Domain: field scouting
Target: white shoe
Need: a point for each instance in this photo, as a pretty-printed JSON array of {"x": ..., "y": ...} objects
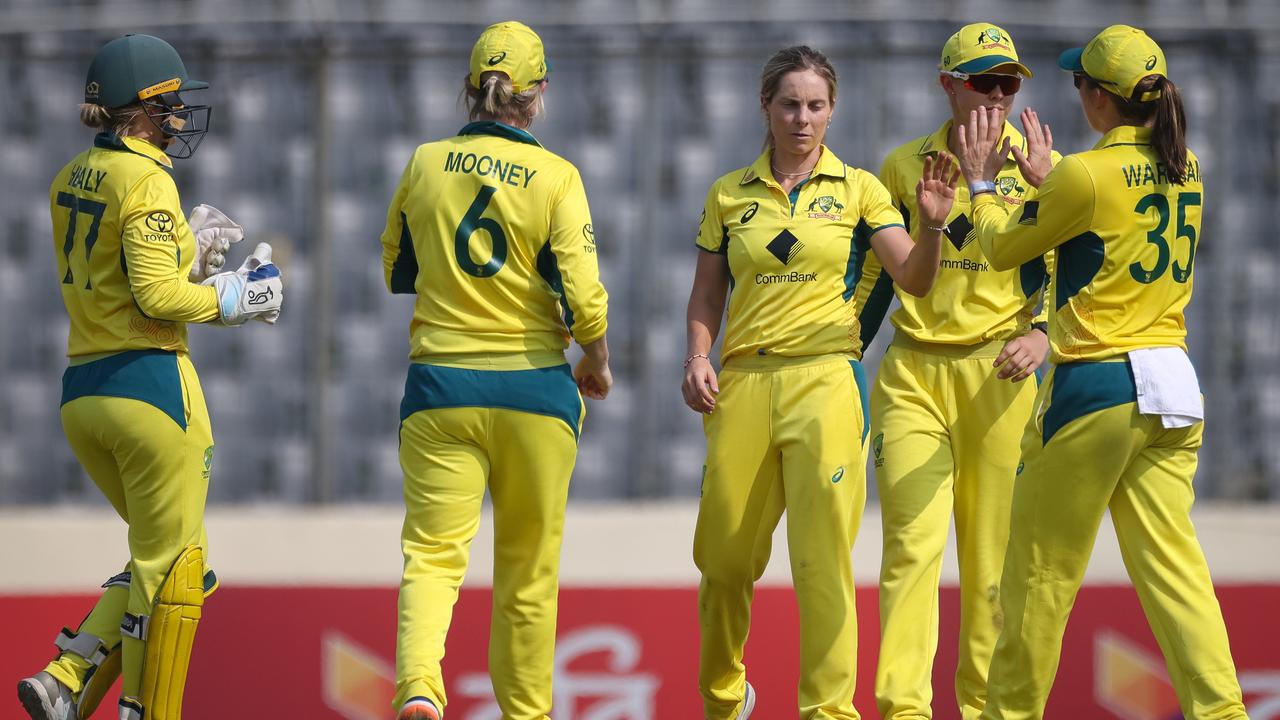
[
  {"x": 44, "y": 697},
  {"x": 748, "y": 703}
]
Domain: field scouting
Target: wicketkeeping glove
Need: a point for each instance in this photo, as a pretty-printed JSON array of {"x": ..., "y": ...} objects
[
  {"x": 215, "y": 233},
  {"x": 254, "y": 292}
]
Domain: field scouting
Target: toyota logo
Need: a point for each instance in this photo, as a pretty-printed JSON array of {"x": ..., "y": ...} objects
[{"x": 160, "y": 221}]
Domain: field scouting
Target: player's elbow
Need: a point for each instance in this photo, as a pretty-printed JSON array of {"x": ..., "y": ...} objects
[
  {"x": 917, "y": 284},
  {"x": 590, "y": 330},
  {"x": 154, "y": 300},
  {"x": 917, "y": 289},
  {"x": 1000, "y": 261}
]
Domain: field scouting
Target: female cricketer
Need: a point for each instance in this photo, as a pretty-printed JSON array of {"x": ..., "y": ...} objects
[
  {"x": 493, "y": 234},
  {"x": 949, "y": 405},
  {"x": 1119, "y": 419},
  {"x": 133, "y": 274},
  {"x": 786, "y": 420}
]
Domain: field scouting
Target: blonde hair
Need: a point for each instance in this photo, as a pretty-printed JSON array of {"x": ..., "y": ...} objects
[
  {"x": 100, "y": 117},
  {"x": 788, "y": 60},
  {"x": 498, "y": 99}
]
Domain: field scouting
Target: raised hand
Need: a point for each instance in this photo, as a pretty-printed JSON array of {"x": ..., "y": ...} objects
[
  {"x": 936, "y": 191},
  {"x": 981, "y": 152},
  {"x": 1038, "y": 160}
]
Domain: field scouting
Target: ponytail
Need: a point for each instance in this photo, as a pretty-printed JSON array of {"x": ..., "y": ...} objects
[
  {"x": 496, "y": 98},
  {"x": 1169, "y": 133},
  {"x": 94, "y": 116},
  {"x": 1169, "y": 126},
  {"x": 105, "y": 119}
]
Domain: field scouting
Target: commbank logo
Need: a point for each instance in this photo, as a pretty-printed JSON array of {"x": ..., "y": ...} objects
[
  {"x": 1029, "y": 213},
  {"x": 785, "y": 246},
  {"x": 877, "y": 448},
  {"x": 959, "y": 231}
]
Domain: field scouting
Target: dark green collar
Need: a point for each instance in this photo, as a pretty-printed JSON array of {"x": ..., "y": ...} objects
[
  {"x": 497, "y": 129},
  {"x": 111, "y": 141}
]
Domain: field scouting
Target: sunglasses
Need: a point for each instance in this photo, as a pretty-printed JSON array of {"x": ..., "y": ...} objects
[{"x": 985, "y": 83}]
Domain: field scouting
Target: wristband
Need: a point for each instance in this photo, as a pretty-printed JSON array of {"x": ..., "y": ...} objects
[
  {"x": 1041, "y": 326},
  {"x": 691, "y": 358},
  {"x": 979, "y": 187}
]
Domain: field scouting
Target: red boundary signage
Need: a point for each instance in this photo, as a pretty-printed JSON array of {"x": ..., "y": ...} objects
[{"x": 622, "y": 654}]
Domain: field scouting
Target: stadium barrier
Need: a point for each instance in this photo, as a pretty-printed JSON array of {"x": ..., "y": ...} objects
[{"x": 313, "y": 634}]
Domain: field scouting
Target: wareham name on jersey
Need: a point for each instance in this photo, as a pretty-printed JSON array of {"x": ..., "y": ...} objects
[
  {"x": 1141, "y": 174},
  {"x": 512, "y": 174}
]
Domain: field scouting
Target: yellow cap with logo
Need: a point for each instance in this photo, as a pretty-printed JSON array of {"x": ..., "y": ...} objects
[
  {"x": 1118, "y": 58},
  {"x": 512, "y": 48},
  {"x": 978, "y": 48}
]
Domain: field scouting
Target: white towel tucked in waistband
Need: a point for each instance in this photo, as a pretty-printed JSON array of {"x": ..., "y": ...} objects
[{"x": 1167, "y": 386}]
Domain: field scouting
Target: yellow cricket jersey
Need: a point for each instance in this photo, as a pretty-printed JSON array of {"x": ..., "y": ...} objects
[
  {"x": 124, "y": 251},
  {"x": 795, "y": 259},
  {"x": 971, "y": 302},
  {"x": 493, "y": 234},
  {"x": 1125, "y": 238}
]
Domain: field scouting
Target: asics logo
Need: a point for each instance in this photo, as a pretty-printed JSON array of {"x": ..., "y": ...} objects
[
  {"x": 495, "y": 59},
  {"x": 838, "y": 476},
  {"x": 260, "y": 297}
]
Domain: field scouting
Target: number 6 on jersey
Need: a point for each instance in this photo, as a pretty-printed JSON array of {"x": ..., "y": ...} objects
[{"x": 471, "y": 222}]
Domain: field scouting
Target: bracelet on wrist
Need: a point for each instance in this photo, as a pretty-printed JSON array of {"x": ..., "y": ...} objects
[
  {"x": 691, "y": 358},
  {"x": 940, "y": 228},
  {"x": 979, "y": 187}
]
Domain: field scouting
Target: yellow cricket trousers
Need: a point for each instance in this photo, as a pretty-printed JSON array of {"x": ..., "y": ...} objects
[
  {"x": 787, "y": 434},
  {"x": 515, "y": 433},
  {"x": 138, "y": 423},
  {"x": 1090, "y": 451},
  {"x": 946, "y": 434}
]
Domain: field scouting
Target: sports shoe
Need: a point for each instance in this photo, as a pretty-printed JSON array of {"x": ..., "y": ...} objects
[
  {"x": 418, "y": 708},
  {"x": 45, "y": 698},
  {"x": 748, "y": 703}
]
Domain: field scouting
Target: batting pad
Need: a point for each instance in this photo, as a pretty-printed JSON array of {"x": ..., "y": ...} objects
[{"x": 170, "y": 634}]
